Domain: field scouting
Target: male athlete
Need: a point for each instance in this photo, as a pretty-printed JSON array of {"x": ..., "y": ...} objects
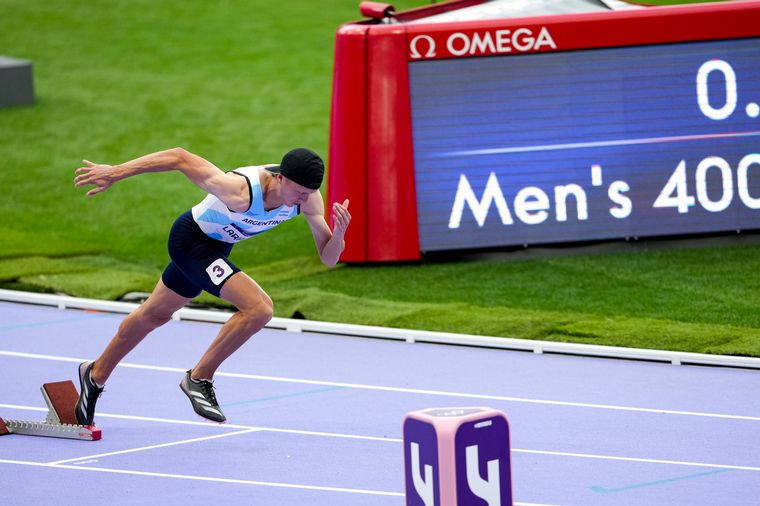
[{"x": 240, "y": 204}]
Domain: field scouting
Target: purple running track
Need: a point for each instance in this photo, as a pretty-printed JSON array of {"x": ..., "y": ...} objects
[{"x": 316, "y": 419}]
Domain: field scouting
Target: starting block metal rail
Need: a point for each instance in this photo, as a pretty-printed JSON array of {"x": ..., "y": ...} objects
[{"x": 61, "y": 398}]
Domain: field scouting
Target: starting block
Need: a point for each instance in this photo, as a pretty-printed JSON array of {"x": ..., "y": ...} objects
[
  {"x": 457, "y": 457},
  {"x": 61, "y": 398}
]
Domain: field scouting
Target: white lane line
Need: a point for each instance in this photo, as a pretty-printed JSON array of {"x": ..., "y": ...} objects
[
  {"x": 443, "y": 393},
  {"x": 635, "y": 459},
  {"x": 439, "y": 393},
  {"x": 220, "y": 426},
  {"x": 26, "y": 408},
  {"x": 225, "y": 480},
  {"x": 396, "y": 440},
  {"x": 203, "y": 478},
  {"x": 152, "y": 447}
]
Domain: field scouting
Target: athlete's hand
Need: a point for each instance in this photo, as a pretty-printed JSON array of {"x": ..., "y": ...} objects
[
  {"x": 98, "y": 174},
  {"x": 341, "y": 218}
]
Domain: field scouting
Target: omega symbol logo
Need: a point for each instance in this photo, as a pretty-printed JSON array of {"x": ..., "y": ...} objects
[{"x": 415, "y": 42}]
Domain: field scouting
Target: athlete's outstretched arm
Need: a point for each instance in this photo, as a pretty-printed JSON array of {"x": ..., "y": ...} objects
[
  {"x": 329, "y": 243},
  {"x": 228, "y": 187}
]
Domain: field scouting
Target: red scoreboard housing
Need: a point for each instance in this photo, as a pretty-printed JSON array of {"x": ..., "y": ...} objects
[{"x": 372, "y": 152}]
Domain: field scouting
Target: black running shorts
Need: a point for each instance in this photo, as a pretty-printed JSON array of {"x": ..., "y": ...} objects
[{"x": 198, "y": 261}]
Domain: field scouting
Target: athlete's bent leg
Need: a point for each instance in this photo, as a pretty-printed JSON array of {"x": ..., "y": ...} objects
[
  {"x": 154, "y": 312},
  {"x": 255, "y": 309},
  {"x": 151, "y": 314}
]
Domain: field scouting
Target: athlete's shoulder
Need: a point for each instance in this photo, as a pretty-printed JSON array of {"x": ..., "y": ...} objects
[{"x": 249, "y": 170}]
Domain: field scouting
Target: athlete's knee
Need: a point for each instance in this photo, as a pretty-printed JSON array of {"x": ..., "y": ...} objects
[
  {"x": 258, "y": 312},
  {"x": 262, "y": 312},
  {"x": 152, "y": 316}
]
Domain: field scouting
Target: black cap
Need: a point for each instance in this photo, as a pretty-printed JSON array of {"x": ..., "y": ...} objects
[{"x": 303, "y": 166}]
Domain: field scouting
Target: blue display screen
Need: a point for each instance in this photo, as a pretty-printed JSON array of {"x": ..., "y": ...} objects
[{"x": 587, "y": 145}]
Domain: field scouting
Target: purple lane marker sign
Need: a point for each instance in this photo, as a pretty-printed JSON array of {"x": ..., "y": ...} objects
[
  {"x": 482, "y": 463},
  {"x": 421, "y": 463}
]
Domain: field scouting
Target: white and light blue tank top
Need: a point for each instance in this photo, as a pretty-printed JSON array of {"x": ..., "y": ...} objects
[{"x": 223, "y": 224}]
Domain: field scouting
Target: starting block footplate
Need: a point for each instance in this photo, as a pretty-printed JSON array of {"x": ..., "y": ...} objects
[
  {"x": 62, "y": 430},
  {"x": 61, "y": 398}
]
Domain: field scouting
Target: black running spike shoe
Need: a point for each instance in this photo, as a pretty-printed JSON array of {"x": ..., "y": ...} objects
[
  {"x": 88, "y": 395},
  {"x": 201, "y": 395}
]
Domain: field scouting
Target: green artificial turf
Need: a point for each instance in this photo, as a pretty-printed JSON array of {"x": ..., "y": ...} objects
[{"x": 240, "y": 82}]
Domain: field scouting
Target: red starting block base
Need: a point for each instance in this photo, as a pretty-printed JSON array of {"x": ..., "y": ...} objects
[{"x": 61, "y": 398}]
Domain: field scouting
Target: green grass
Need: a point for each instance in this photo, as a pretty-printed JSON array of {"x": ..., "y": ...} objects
[{"x": 240, "y": 82}]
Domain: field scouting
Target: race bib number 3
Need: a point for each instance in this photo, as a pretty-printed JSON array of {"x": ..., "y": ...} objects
[{"x": 218, "y": 271}]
